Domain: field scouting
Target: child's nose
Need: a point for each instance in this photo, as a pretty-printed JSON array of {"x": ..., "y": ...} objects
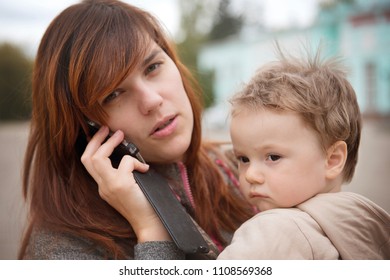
[{"x": 254, "y": 175}]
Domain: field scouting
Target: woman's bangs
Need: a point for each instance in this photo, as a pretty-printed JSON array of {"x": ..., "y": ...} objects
[
  {"x": 115, "y": 40},
  {"x": 113, "y": 58}
]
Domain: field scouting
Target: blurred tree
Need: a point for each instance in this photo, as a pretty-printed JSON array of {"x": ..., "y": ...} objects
[
  {"x": 203, "y": 21},
  {"x": 15, "y": 83},
  {"x": 226, "y": 23},
  {"x": 195, "y": 16},
  {"x": 329, "y": 4}
]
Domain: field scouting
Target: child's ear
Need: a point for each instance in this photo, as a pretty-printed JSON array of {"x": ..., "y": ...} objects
[{"x": 336, "y": 158}]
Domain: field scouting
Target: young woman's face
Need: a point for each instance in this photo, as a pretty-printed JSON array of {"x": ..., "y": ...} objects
[
  {"x": 281, "y": 162},
  {"x": 152, "y": 108}
]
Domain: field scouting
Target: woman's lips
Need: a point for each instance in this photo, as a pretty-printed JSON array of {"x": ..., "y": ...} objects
[{"x": 165, "y": 127}]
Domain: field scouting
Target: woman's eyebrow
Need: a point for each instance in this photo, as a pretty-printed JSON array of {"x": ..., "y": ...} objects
[{"x": 151, "y": 56}]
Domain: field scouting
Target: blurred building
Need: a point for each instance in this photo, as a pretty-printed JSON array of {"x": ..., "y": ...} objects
[{"x": 357, "y": 30}]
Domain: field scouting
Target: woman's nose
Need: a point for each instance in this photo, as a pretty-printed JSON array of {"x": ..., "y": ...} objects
[{"x": 150, "y": 99}]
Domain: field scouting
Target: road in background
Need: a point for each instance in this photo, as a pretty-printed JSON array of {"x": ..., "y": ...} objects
[{"x": 13, "y": 141}]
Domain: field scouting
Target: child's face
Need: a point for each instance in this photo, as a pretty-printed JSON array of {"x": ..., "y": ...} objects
[{"x": 281, "y": 163}]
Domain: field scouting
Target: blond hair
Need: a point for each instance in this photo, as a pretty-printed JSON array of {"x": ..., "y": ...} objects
[{"x": 317, "y": 90}]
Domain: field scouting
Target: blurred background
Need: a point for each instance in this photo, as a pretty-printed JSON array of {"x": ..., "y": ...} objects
[{"x": 223, "y": 42}]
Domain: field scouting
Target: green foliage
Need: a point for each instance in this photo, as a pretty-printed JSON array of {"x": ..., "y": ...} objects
[
  {"x": 194, "y": 15},
  {"x": 206, "y": 80},
  {"x": 188, "y": 51},
  {"x": 15, "y": 83},
  {"x": 332, "y": 4},
  {"x": 226, "y": 23}
]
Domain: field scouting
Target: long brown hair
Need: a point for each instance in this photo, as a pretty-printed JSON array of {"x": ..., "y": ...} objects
[{"x": 85, "y": 53}]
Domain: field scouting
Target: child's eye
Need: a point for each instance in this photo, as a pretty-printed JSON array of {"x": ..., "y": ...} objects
[
  {"x": 273, "y": 157},
  {"x": 243, "y": 159}
]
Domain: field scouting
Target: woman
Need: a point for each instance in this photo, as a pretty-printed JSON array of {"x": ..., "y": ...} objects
[{"x": 111, "y": 63}]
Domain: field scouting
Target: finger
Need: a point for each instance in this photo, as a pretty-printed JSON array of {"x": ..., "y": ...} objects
[
  {"x": 140, "y": 166},
  {"x": 96, "y": 141},
  {"x": 91, "y": 148},
  {"x": 106, "y": 149},
  {"x": 129, "y": 163},
  {"x": 101, "y": 160}
]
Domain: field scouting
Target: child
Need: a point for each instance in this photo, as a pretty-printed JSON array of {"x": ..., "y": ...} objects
[{"x": 295, "y": 130}]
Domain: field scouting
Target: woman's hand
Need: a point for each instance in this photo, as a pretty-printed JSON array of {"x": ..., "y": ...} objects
[{"x": 119, "y": 188}]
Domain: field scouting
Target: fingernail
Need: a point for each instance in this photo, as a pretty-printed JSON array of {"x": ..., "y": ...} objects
[
  {"x": 103, "y": 128},
  {"x": 117, "y": 133}
]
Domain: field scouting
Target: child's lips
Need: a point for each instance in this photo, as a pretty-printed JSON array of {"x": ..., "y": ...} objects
[{"x": 257, "y": 195}]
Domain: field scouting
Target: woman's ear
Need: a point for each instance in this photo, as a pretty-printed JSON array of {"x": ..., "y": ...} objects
[{"x": 336, "y": 158}]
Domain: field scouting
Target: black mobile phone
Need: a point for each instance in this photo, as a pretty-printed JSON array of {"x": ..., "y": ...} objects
[{"x": 173, "y": 215}]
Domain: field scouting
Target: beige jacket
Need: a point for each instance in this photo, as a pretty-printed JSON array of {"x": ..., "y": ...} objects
[{"x": 329, "y": 226}]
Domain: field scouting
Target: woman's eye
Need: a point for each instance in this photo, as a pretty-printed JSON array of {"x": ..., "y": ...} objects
[
  {"x": 273, "y": 157},
  {"x": 111, "y": 97},
  {"x": 152, "y": 68}
]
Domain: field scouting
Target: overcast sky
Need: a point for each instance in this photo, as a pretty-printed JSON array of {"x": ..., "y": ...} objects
[{"x": 24, "y": 21}]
